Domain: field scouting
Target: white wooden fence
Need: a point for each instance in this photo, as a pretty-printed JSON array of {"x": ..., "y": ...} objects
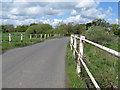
[
  {"x": 73, "y": 45},
  {"x": 30, "y": 36}
]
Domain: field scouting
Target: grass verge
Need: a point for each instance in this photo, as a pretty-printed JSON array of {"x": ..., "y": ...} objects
[
  {"x": 11, "y": 45},
  {"x": 102, "y": 65},
  {"x": 73, "y": 80}
]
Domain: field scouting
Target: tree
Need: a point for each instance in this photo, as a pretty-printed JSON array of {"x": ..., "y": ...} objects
[
  {"x": 8, "y": 28},
  {"x": 100, "y": 22},
  {"x": 51, "y": 31},
  {"x": 79, "y": 28},
  {"x": 33, "y": 24},
  {"x": 61, "y": 29},
  {"x": 88, "y": 25},
  {"x": 0, "y": 28},
  {"x": 69, "y": 28},
  {"x": 22, "y": 28},
  {"x": 98, "y": 34},
  {"x": 37, "y": 29}
]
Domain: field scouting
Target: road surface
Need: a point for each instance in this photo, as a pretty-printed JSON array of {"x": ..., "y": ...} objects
[{"x": 37, "y": 66}]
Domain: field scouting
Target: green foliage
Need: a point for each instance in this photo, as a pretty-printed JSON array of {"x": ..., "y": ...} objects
[
  {"x": 117, "y": 32},
  {"x": 61, "y": 29},
  {"x": 79, "y": 28},
  {"x": 8, "y": 28},
  {"x": 33, "y": 24},
  {"x": 102, "y": 65},
  {"x": 51, "y": 31},
  {"x": 21, "y": 28},
  {"x": 37, "y": 29},
  {"x": 0, "y": 28},
  {"x": 98, "y": 34},
  {"x": 98, "y": 22},
  {"x": 70, "y": 28},
  {"x": 116, "y": 29}
]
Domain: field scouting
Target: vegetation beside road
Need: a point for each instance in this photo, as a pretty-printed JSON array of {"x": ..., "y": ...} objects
[
  {"x": 101, "y": 64},
  {"x": 73, "y": 80},
  {"x": 26, "y": 41}
]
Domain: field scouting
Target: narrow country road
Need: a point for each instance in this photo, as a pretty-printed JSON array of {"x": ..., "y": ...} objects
[{"x": 37, "y": 66}]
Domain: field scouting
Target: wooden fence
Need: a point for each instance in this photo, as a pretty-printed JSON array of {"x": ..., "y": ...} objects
[
  {"x": 20, "y": 37},
  {"x": 79, "y": 54}
]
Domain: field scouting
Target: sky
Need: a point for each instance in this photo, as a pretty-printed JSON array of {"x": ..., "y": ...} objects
[{"x": 25, "y": 12}]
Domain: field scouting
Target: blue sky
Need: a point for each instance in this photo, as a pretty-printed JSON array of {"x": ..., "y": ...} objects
[
  {"x": 113, "y": 5},
  {"x": 25, "y": 12}
]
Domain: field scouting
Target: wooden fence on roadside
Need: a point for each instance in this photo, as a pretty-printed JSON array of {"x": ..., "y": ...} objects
[
  {"x": 20, "y": 37},
  {"x": 79, "y": 54}
]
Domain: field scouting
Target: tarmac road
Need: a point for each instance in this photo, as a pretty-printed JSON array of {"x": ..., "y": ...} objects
[{"x": 37, "y": 66}]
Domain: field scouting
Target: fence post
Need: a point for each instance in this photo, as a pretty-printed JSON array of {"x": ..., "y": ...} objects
[
  {"x": 41, "y": 36},
  {"x": 36, "y": 35},
  {"x": 48, "y": 36},
  {"x": 81, "y": 46},
  {"x": 71, "y": 41},
  {"x": 30, "y": 36},
  {"x": 44, "y": 36},
  {"x": 75, "y": 45},
  {"x": 21, "y": 37},
  {"x": 10, "y": 37}
]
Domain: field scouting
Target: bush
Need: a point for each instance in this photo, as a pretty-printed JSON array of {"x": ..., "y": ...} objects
[
  {"x": 98, "y": 34},
  {"x": 37, "y": 29}
]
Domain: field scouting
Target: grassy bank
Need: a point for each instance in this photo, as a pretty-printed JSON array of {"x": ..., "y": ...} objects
[
  {"x": 73, "y": 80},
  {"x": 102, "y": 65}
]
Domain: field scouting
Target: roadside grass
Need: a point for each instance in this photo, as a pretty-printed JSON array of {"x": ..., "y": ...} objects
[
  {"x": 73, "y": 80},
  {"x": 26, "y": 41},
  {"x": 102, "y": 65}
]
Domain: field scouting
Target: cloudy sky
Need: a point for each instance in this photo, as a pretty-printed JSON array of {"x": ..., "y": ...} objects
[{"x": 24, "y": 12}]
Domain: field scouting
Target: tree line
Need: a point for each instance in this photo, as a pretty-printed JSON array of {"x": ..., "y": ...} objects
[{"x": 70, "y": 28}]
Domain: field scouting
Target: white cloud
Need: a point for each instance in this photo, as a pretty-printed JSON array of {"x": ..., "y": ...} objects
[
  {"x": 30, "y": 12},
  {"x": 94, "y": 13},
  {"x": 112, "y": 21},
  {"x": 76, "y": 19},
  {"x": 86, "y": 4},
  {"x": 34, "y": 10},
  {"x": 73, "y": 12},
  {"x": 14, "y": 11}
]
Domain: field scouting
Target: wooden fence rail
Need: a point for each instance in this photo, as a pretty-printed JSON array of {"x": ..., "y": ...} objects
[{"x": 79, "y": 53}]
